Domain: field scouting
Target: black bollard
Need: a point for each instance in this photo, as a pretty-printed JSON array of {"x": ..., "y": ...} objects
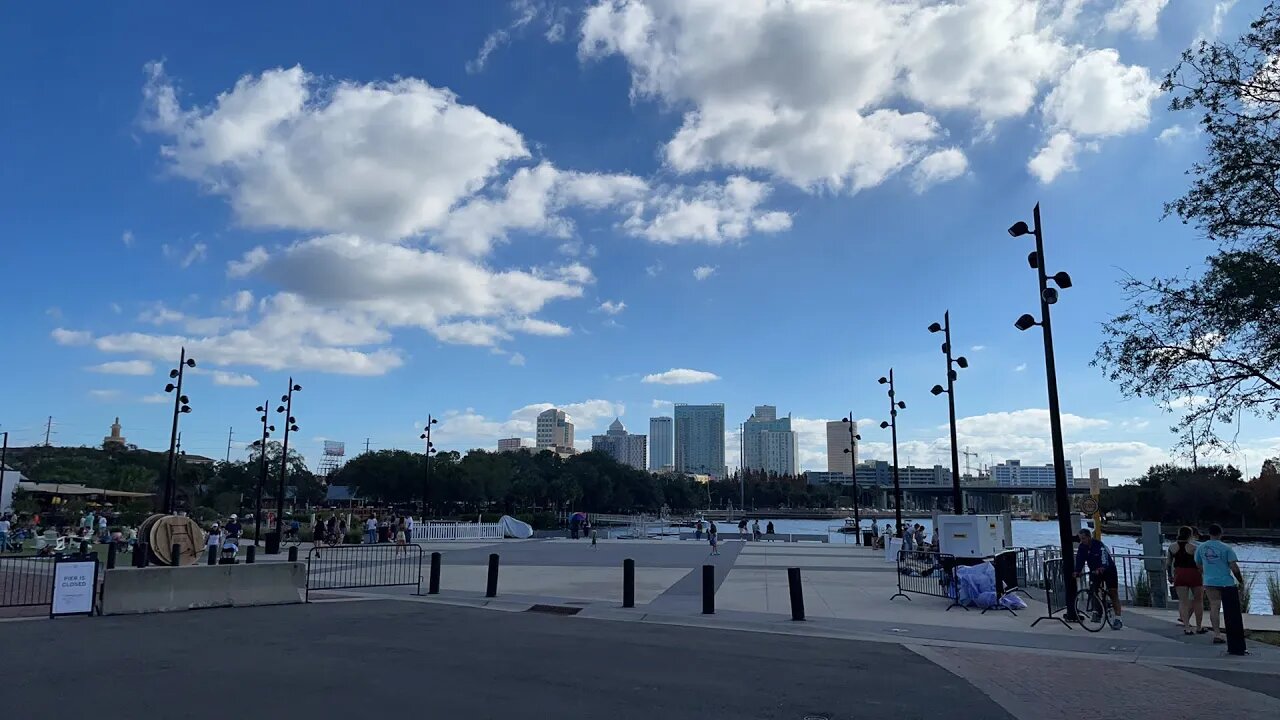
[
  {"x": 141, "y": 554},
  {"x": 708, "y": 589},
  {"x": 250, "y": 555},
  {"x": 177, "y": 555},
  {"x": 213, "y": 554},
  {"x": 433, "y": 582},
  {"x": 111, "y": 556},
  {"x": 293, "y": 553},
  {"x": 628, "y": 583},
  {"x": 797, "y": 594},
  {"x": 491, "y": 589},
  {"x": 1233, "y": 620}
]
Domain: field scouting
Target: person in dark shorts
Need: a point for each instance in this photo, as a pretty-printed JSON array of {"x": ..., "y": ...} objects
[
  {"x": 1102, "y": 570},
  {"x": 1188, "y": 582}
]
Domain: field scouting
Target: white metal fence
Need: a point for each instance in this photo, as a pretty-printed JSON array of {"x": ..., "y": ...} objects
[{"x": 435, "y": 532}]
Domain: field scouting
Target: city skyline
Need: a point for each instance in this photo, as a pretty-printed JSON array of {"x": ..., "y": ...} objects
[{"x": 644, "y": 219}]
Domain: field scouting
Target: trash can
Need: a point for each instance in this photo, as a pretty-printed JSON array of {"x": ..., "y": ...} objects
[
  {"x": 273, "y": 543},
  {"x": 868, "y": 538}
]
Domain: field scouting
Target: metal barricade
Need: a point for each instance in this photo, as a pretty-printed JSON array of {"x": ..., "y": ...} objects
[
  {"x": 927, "y": 573},
  {"x": 360, "y": 566},
  {"x": 25, "y": 580},
  {"x": 1055, "y": 592}
]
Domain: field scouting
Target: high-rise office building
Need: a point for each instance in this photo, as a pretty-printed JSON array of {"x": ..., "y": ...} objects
[
  {"x": 661, "y": 443},
  {"x": 769, "y": 443},
  {"x": 508, "y": 444},
  {"x": 1012, "y": 473},
  {"x": 621, "y": 445},
  {"x": 554, "y": 430},
  {"x": 839, "y": 461},
  {"x": 699, "y": 439}
]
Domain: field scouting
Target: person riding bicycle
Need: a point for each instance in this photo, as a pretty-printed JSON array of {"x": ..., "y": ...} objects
[{"x": 1102, "y": 571}]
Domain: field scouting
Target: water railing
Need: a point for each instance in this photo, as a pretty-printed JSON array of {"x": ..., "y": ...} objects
[
  {"x": 1144, "y": 582},
  {"x": 444, "y": 532}
]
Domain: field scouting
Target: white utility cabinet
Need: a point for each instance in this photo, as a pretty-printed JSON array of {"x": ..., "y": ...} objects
[{"x": 971, "y": 535}]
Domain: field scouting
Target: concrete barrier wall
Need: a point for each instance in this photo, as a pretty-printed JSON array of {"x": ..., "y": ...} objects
[{"x": 169, "y": 589}]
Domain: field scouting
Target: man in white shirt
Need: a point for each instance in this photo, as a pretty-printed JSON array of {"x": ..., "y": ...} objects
[
  {"x": 5, "y": 527},
  {"x": 371, "y": 530},
  {"x": 408, "y": 528}
]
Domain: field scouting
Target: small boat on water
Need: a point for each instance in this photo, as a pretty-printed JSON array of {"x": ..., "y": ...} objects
[{"x": 850, "y": 527}]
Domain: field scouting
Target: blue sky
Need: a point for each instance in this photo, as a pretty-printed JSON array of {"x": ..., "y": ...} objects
[{"x": 482, "y": 209}]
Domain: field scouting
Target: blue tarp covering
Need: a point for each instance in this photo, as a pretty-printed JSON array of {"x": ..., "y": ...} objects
[{"x": 977, "y": 585}]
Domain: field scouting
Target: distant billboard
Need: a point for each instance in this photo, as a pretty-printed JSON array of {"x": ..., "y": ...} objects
[{"x": 335, "y": 448}]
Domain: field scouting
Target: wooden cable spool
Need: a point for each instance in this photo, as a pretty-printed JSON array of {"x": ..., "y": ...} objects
[{"x": 162, "y": 532}]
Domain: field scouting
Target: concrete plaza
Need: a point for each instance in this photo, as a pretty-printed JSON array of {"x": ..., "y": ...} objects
[{"x": 859, "y": 653}]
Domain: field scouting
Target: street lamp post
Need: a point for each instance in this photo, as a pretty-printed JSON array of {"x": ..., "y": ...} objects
[
  {"x": 262, "y": 471},
  {"x": 180, "y": 405},
  {"x": 957, "y": 496},
  {"x": 428, "y": 452},
  {"x": 894, "y": 406},
  {"x": 853, "y": 473},
  {"x": 289, "y": 424},
  {"x": 1049, "y": 296}
]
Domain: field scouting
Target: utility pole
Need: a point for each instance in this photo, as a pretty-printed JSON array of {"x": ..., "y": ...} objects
[
  {"x": 229, "y": 430},
  {"x": 366, "y": 444},
  {"x": 48, "y": 430}
]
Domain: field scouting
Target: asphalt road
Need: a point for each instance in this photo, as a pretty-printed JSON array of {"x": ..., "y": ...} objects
[{"x": 387, "y": 658}]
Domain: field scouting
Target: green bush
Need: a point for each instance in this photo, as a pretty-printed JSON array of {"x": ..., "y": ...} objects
[
  {"x": 1246, "y": 593},
  {"x": 1142, "y": 590},
  {"x": 1273, "y": 592},
  {"x": 539, "y": 520}
]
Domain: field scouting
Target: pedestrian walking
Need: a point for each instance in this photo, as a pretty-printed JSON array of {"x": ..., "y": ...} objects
[
  {"x": 1188, "y": 582},
  {"x": 697, "y": 530},
  {"x": 371, "y": 529},
  {"x": 769, "y": 531},
  {"x": 594, "y": 539},
  {"x": 742, "y": 529},
  {"x": 711, "y": 538},
  {"x": 401, "y": 539},
  {"x": 755, "y": 530},
  {"x": 1220, "y": 570}
]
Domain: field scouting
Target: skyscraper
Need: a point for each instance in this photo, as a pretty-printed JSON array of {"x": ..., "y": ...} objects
[
  {"x": 661, "y": 443},
  {"x": 837, "y": 442},
  {"x": 699, "y": 439},
  {"x": 621, "y": 445},
  {"x": 554, "y": 430},
  {"x": 769, "y": 443}
]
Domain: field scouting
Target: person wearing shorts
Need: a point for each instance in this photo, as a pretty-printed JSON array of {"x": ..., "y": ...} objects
[
  {"x": 1102, "y": 570},
  {"x": 1188, "y": 582}
]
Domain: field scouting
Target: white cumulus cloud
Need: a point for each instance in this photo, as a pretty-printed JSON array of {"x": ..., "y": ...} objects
[
  {"x": 680, "y": 376},
  {"x": 125, "y": 367}
]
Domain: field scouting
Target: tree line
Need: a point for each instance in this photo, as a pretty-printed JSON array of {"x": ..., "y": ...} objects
[
  {"x": 523, "y": 480},
  {"x": 1200, "y": 495}
]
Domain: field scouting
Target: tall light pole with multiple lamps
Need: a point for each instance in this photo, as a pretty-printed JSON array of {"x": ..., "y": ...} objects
[
  {"x": 852, "y": 426},
  {"x": 894, "y": 406},
  {"x": 289, "y": 424},
  {"x": 262, "y": 471},
  {"x": 1049, "y": 296},
  {"x": 957, "y": 496},
  {"x": 181, "y": 405},
  {"x": 427, "y": 452}
]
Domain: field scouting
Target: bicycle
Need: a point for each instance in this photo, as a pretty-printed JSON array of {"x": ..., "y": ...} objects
[
  {"x": 1093, "y": 606},
  {"x": 291, "y": 538}
]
